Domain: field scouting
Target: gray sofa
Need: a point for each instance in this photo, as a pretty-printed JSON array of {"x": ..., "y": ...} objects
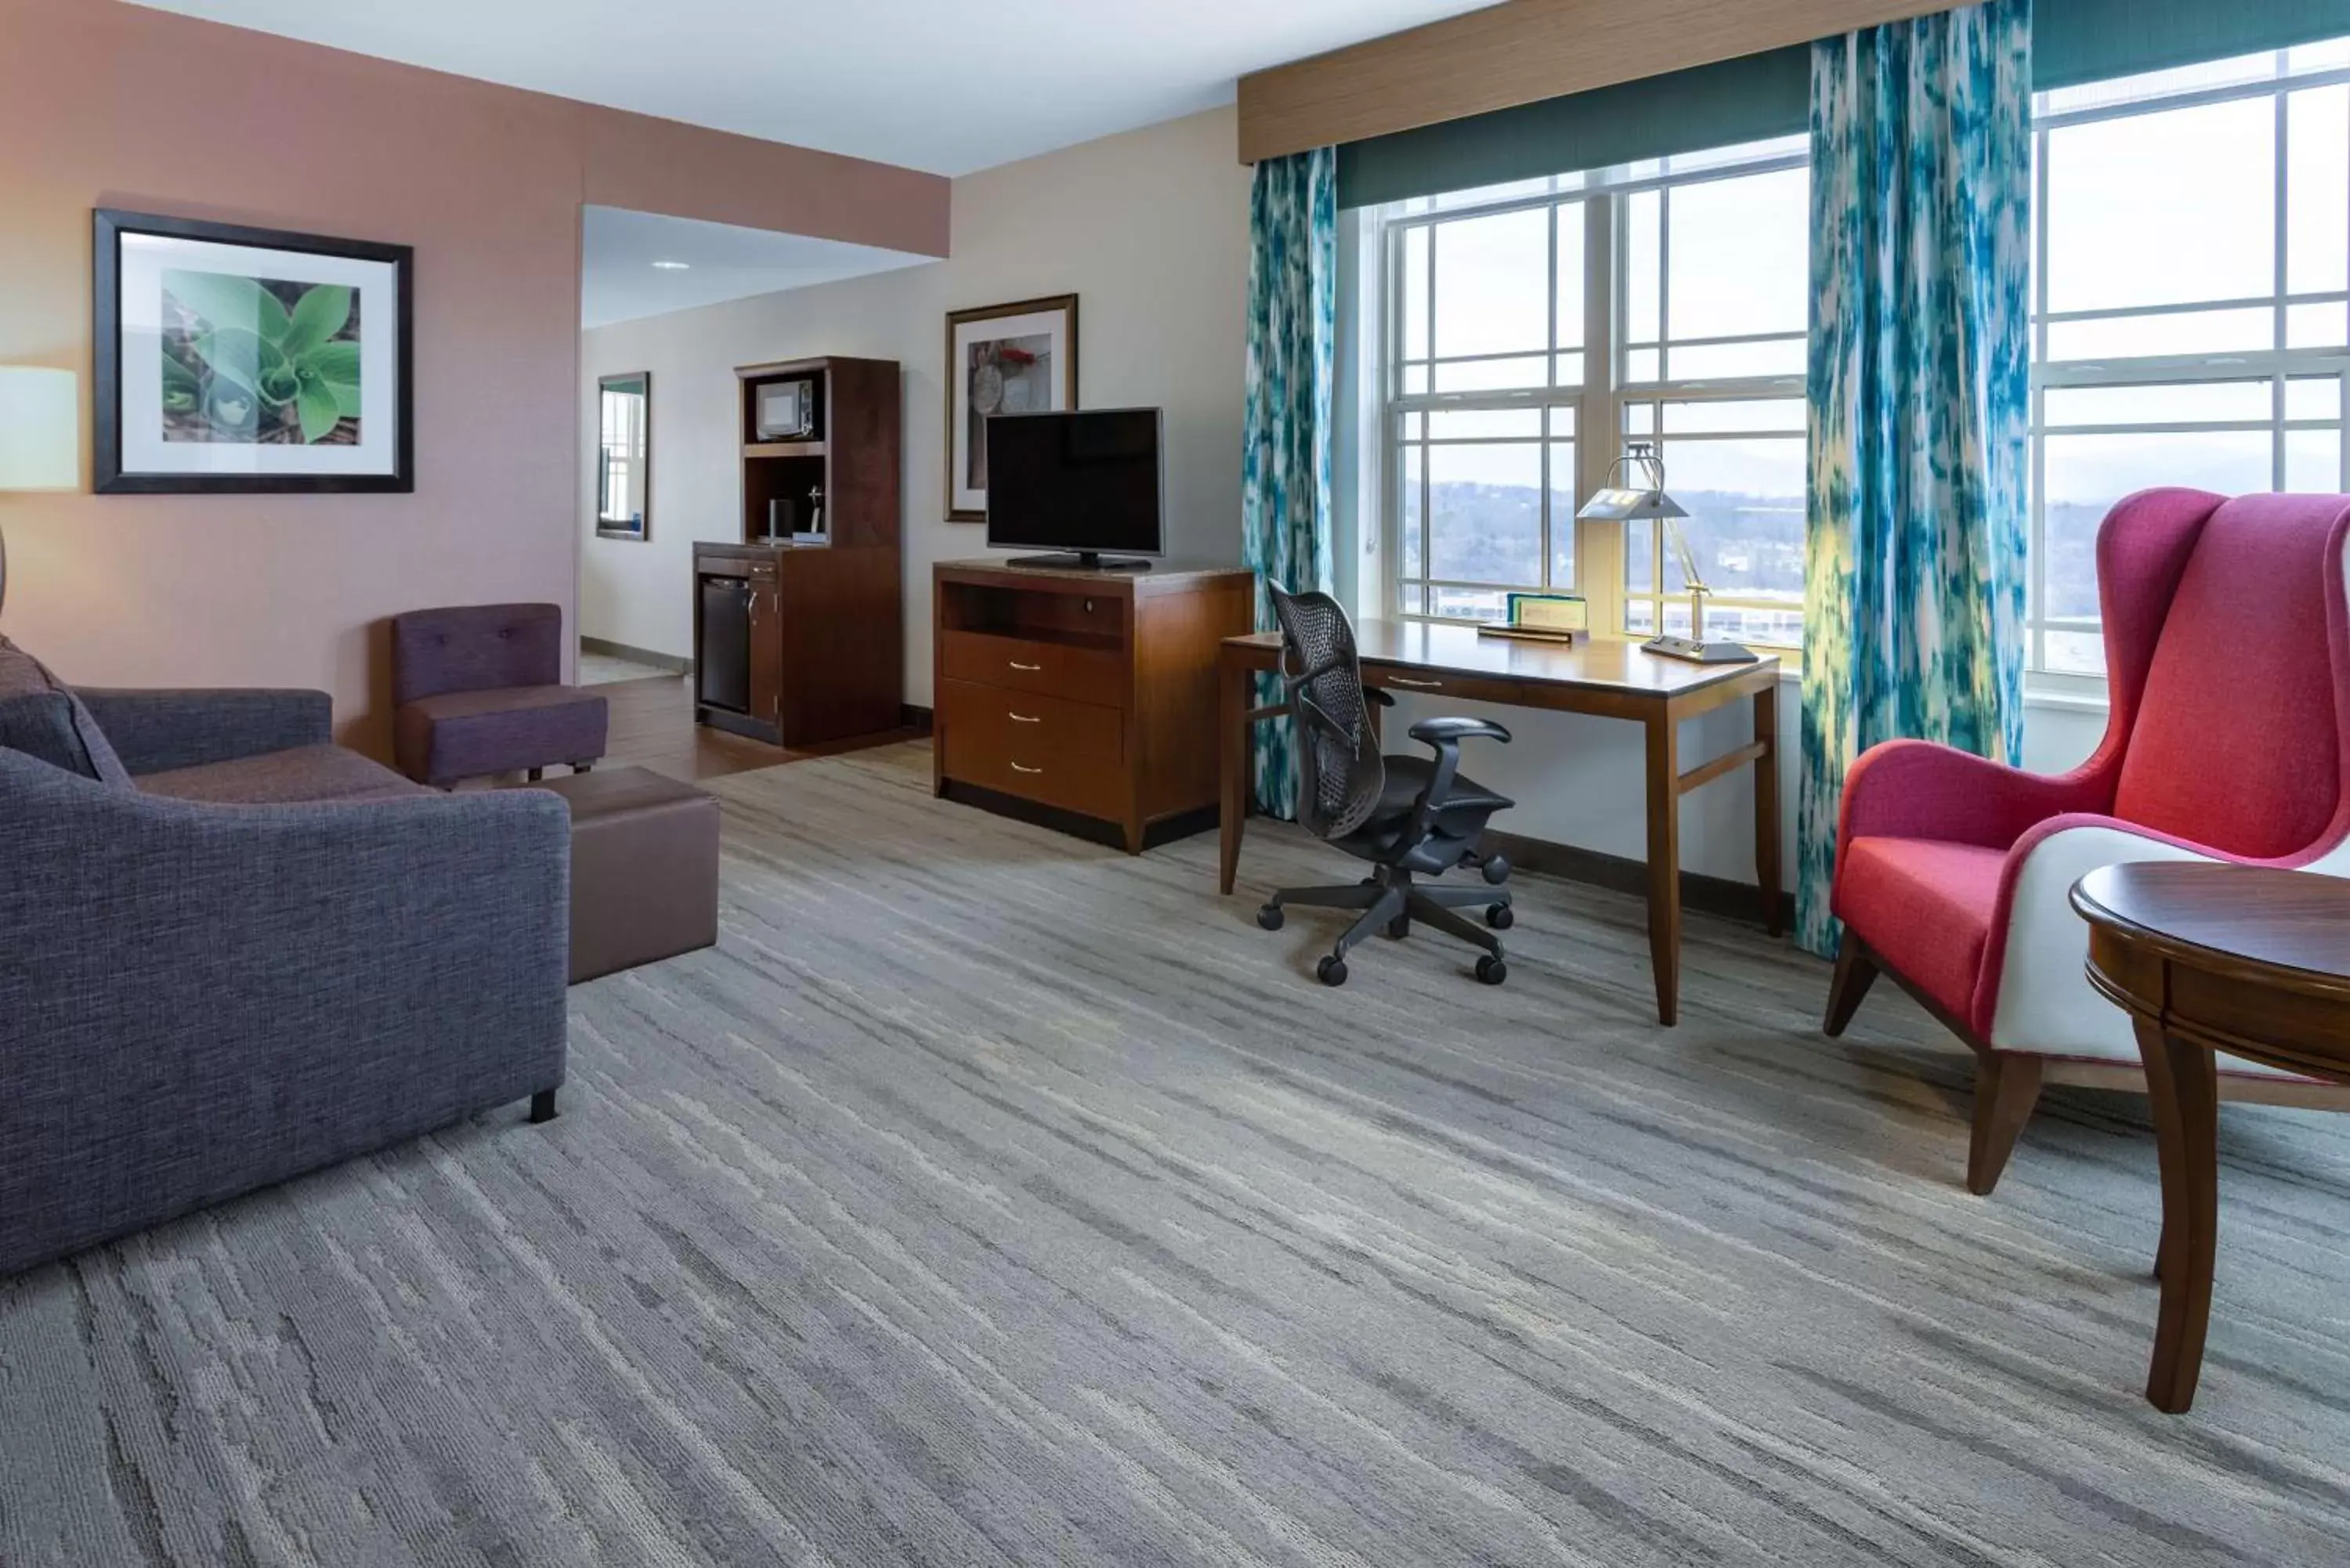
[{"x": 231, "y": 951}]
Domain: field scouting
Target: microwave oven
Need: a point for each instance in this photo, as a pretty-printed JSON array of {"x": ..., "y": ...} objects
[{"x": 786, "y": 411}]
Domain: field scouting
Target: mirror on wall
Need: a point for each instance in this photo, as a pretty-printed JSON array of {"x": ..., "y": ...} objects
[{"x": 624, "y": 465}]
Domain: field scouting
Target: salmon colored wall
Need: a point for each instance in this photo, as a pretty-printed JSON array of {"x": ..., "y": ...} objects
[{"x": 106, "y": 104}]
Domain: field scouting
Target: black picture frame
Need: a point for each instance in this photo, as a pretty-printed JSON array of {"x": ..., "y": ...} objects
[
  {"x": 110, "y": 226},
  {"x": 641, "y": 383}
]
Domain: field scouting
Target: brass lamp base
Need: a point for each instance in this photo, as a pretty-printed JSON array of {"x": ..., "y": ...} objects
[{"x": 1697, "y": 652}]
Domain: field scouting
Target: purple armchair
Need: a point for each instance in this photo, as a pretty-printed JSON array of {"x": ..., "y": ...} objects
[
  {"x": 2228, "y": 668},
  {"x": 477, "y": 691}
]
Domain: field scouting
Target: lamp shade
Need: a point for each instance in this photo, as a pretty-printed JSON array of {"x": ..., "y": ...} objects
[
  {"x": 40, "y": 429},
  {"x": 1625, "y": 506}
]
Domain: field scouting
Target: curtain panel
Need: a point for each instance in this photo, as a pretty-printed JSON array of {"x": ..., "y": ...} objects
[
  {"x": 1286, "y": 434},
  {"x": 1919, "y": 397}
]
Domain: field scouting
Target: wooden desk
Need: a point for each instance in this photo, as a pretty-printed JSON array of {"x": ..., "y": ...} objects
[
  {"x": 1610, "y": 677},
  {"x": 2249, "y": 959}
]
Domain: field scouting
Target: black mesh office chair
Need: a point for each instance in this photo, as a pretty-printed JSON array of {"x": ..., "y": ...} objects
[{"x": 1405, "y": 815}]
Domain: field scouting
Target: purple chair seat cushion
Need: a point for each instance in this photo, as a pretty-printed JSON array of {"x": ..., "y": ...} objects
[
  {"x": 455, "y": 735},
  {"x": 303, "y": 774}
]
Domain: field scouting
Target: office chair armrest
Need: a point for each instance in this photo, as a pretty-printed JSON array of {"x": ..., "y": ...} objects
[
  {"x": 1376, "y": 698},
  {"x": 1443, "y": 736},
  {"x": 1435, "y": 731}
]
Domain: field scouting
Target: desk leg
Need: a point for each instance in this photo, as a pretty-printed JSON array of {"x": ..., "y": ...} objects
[
  {"x": 1766, "y": 803},
  {"x": 1233, "y": 699},
  {"x": 2184, "y": 1089},
  {"x": 1665, "y": 862}
]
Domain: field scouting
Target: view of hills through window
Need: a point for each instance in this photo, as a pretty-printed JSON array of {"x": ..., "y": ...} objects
[{"x": 2217, "y": 364}]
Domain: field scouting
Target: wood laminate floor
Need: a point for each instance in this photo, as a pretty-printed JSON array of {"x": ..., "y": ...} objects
[{"x": 653, "y": 727}]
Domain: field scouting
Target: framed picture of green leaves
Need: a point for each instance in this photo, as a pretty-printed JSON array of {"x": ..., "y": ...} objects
[{"x": 233, "y": 359}]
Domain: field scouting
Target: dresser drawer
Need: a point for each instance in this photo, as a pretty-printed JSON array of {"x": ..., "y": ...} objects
[
  {"x": 1087, "y": 785},
  {"x": 1054, "y": 669},
  {"x": 1029, "y": 725}
]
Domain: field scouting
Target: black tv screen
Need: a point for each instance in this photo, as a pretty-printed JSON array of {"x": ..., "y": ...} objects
[{"x": 1088, "y": 480}]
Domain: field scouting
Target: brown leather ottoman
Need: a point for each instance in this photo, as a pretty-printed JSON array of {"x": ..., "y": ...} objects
[{"x": 644, "y": 869}]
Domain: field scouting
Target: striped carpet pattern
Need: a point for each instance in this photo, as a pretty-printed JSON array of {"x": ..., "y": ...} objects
[{"x": 988, "y": 1198}]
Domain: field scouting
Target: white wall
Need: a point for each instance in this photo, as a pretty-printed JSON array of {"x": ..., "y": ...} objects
[
  {"x": 1149, "y": 229},
  {"x": 1580, "y": 780}
]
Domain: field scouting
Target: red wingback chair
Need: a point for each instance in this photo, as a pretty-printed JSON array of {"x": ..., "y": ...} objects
[{"x": 2227, "y": 670}]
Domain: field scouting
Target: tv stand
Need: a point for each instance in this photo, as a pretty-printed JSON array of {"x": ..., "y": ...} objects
[
  {"x": 1089, "y": 695},
  {"x": 1079, "y": 561}
]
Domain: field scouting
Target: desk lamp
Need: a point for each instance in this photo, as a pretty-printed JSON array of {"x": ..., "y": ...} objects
[
  {"x": 40, "y": 437},
  {"x": 1616, "y": 502}
]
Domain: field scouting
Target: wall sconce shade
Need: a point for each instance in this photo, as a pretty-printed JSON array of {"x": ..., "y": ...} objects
[{"x": 40, "y": 429}]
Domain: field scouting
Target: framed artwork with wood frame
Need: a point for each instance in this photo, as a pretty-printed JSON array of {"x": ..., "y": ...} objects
[
  {"x": 235, "y": 361},
  {"x": 1017, "y": 359}
]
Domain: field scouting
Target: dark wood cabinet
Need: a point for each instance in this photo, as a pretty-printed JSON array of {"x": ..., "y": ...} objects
[
  {"x": 801, "y": 640},
  {"x": 1092, "y": 694}
]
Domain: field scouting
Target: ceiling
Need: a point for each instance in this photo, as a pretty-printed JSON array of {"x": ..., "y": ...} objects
[
  {"x": 947, "y": 86},
  {"x": 618, "y": 281}
]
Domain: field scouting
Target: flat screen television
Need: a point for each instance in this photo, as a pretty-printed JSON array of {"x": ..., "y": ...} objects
[{"x": 1083, "y": 481}]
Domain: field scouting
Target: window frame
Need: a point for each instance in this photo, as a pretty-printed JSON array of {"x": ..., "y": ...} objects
[
  {"x": 1395, "y": 404},
  {"x": 1598, "y": 403},
  {"x": 2277, "y": 364}
]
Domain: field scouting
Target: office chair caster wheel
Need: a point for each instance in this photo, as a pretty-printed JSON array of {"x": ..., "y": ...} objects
[
  {"x": 1399, "y": 927},
  {"x": 1492, "y": 971},
  {"x": 1499, "y": 916},
  {"x": 1497, "y": 870},
  {"x": 1270, "y": 917},
  {"x": 1331, "y": 970}
]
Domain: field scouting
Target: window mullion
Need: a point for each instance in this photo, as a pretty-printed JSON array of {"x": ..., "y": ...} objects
[{"x": 1599, "y": 546}]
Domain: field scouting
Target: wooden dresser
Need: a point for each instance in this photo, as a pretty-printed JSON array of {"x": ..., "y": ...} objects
[{"x": 1090, "y": 692}]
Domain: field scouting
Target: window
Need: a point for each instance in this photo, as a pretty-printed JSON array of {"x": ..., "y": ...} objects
[
  {"x": 1717, "y": 290},
  {"x": 1737, "y": 466},
  {"x": 1536, "y": 327},
  {"x": 2191, "y": 304},
  {"x": 2190, "y": 326},
  {"x": 1488, "y": 382}
]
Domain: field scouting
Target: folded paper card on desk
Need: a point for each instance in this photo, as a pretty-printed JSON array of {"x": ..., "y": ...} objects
[{"x": 1543, "y": 617}]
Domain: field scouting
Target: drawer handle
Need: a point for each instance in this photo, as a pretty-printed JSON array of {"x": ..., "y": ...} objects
[
  {"x": 1018, "y": 769},
  {"x": 1030, "y": 669},
  {"x": 1423, "y": 685},
  {"x": 1020, "y": 718}
]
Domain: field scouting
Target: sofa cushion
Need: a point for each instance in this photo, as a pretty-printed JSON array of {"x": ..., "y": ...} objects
[
  {"x": 40, "y": 716},
  {"x": 1925, "y": 906},
  {"x": 283, "y": 778},
  {"x": 468, "y": 734}
]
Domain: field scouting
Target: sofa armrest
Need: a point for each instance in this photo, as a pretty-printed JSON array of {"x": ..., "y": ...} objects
[
  {"x": 1915, "y": 789},
  {"x": 154, "y": 732},
  {"x": 203, "y": 998}
]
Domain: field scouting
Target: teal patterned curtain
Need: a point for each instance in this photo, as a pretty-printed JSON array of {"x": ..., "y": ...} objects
[
  {"x": 1920, "y": 398},
  {"x": 1286, "y": 442}
]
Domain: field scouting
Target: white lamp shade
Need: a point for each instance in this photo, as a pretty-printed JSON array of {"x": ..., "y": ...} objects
[{"x": 40, "y": 429}]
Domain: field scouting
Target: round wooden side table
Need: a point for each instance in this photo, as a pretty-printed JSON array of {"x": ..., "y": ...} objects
[{"x": 2243, "y": 959}]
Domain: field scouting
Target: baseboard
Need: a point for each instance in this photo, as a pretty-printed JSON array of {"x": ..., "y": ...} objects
[
  {"x": 914, "y": 716},
  {"x": 635, "y": 655},
  {"x": 1706, "y": 895}
]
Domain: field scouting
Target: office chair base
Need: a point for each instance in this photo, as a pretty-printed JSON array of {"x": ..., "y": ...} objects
[{"x": 1393, "y": 903}]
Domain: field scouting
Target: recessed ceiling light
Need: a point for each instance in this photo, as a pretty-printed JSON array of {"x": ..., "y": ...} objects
[{"x": 672, "y": 266}]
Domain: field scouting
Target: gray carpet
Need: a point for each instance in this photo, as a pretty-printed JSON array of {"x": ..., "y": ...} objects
[{"x": 988, "y": 1198}]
